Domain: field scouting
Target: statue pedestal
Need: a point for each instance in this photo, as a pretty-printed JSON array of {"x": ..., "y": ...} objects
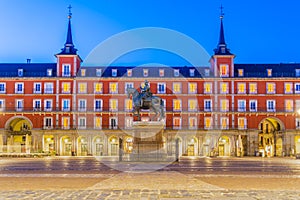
[{"x": 148, "y": 141}]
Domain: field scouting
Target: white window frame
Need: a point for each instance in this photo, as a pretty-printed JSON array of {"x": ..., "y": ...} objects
[
  {"x": 49, "y": 72},
  {"x": 292, "y": 105},
  {"x": 274, "y": 106},
  {"x": 274, "y": 87},
  {"x": 48, "y": 88},
  {"x": 114, "y": 72},
  {"x": 250, "y": 102},
  {"x": 240, "y": 72},
  {"x": 161, "y": 72},
  {"x": 297, "y": 86},
  {"x": 62, "y": 105},
  {"x": 98, "y": 92},
  {"x": 62, "y": 123},
  {"x": 95, "y": 120},
  {"x": 189, "y": 87},
  {"x": 211, "y": 123},
  {"x": 206, "y": 109},
  {"x": 297, "y": 123},
  {"x": 19, "y": 108},
  {"x": 128, "y": 85},
  {"x": 17, "y": 88},
  {"x": 125, "y": 105},
  {"x": 252, "y": 92},
  {"x": 221, "y": 123},
  {"x": 82, "y": 109},
  {"x": 245, "y": 123},
  {"x": 180, "y": 123},
  {"x": 4, "y": 88},
  {"x": 227, "y": 105},
  {"x": 221, "y": 88},
  {"x": 35, "y": 91},
  {"x": 101, "y": 105},
  {"x": 238, "y": 88},
  {"x": 2, "y": 104},
  {"x": 177, "y": 110},
  {"x": 45, "y": 105},
  {"x": 81, "y": 123},
  {"x": 180, "y": 86},
  {"x": 110, "y": 105},
  {"x": 227, "y": 70},
  {"x": 242, "y": 109},
  {"x": 196, "y": 124},
  {"x": 189, "y": 105},
  {"x": 65, "y": 73},
  {"x": 176, "y": 73},
  {"x": 98, "y": 72},
  {"x": 85, "y": 89},
  {"x": 192, "y": 72},
  {"x": 128, "y": 122},
  {"x": 291, "y": 86},
  {"x": 45, "y": 126},
  {"x": 117, "y": 88},
  {"x": 34, "y": 104},
  {"x": 164, "y": 88},
  {"x": 204, "y": 88},
  {"x": 110, "y": 123},
  {"x": 145, "y": 72}
]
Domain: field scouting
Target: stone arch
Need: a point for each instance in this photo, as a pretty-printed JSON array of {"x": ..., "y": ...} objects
[{"x": 15, "y": 120}]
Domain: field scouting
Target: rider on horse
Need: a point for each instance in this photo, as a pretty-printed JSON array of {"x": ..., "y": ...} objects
[{"x": 145, "y": 91}]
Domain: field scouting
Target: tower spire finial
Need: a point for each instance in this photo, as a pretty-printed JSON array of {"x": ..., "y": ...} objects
[
  {"x": 221, "y": 12},
  {"x": 70, "y": 12}
]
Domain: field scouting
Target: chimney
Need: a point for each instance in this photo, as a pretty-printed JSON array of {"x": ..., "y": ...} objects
[{"x": 28, "y": 60}]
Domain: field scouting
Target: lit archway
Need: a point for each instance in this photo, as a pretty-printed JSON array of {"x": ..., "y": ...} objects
[
  {"x": 65, "y": 146},
  {"x": 224, "y": 146}
]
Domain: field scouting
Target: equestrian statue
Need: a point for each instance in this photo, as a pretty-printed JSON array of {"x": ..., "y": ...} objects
[{"x": 145, "y": 100}]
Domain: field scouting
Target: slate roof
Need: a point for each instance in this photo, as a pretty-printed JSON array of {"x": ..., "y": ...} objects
[{"x": 29, "y": 69}]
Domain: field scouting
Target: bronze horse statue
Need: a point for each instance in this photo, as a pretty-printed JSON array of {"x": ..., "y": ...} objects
[{"x": 153, "y": 103}]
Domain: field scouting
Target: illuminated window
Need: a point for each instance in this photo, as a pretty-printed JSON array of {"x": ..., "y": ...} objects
[
  {"x": 252, "y": 88},
  {"x": 288, "y": 88},
  {"x": 240, "y": 72},
  {"x": 97, "y": 122},
  {"x": 207, "y": 105},
  {"x": 192, "y": 103},
  {"x": 224, "y": 105},
  {"x": 82, "y": 88},
  {"x": 176, "y": 123},
  {"x": 176, "y": 72},
  {"x": 81, "y": 105},
  {"x": 66, "y": 88},
  {"x": 224, "y": 71},
  {"x": 241, "y": 105},
  {"x": 114, "y": 72},
  {"x": 83, "y": 72},
  {"x": 176, "y": 105},
  {"x": 65, "y": 122},
  {"x": 65, "y": 105},
  {"x": 207, "y": 88},
  {"x": 161, "y": 72},
  {"x": 192, "y": 88},
  {"x": 207, "y": 122},
  {"x": 128, "y": 104},
  {"x": 289, "y": 105},
  {"x": 269, "y": 72},
  {"x": 81, "y": 123},
  {"x": 253, "y": 105},
  {"x": 176, "y": 88},
  {"x": 113, "y": 88},
  {"x": 242, "y": 123},
  {"x": 297, "y": 88},
  {"x": 98, "y": 88},
  {"x": 129, "y": 72},
  {"x": 271, "y": 105},
  {"x": 224, "y": 88},
  {"x": 161, "y": 88},
  {"x": 271, "y": 88},
  {"x": 192, "y": 123},
  {"x": 224, "y": 122},
  {"x": 98, "y": 105},
  {"x": 113, "y": 105},
  {"x": 98, "y": 72},
  {"x": 241, "y": 88},
  {"x": 19, "y": 88},
  {"x": 145, "y": 72}
]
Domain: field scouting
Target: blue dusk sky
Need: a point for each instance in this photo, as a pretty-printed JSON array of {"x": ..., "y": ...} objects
[{"x": 256, "y": 31}]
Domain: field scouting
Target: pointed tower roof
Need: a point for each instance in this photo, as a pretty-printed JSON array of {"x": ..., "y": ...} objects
[
  {"x": 222, "y": 47},
  {"x": 69, "y": 48}
]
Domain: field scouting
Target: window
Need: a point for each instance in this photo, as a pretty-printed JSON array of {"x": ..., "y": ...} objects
[
  {"x": 37, "y": 105},
  {"x": 192, "y": 72},
  {"x": 20, "y": 72},
  {"x": 192, "y": 105},
  {"x": 207, "y": 122},
  {"x": 128, "y": 85},
  {"x": 49, "y": 72},
  {"x": 98, "y": 88},
  {"x": 81, "y": 105},
  {"x": 224, "y": 71},
  {"x": 176, "y": 123},
  {"x": 65, "y": 105},
  {"x": 145, "y": 72},
  {"x": 161, "y": 88},
  {"x": 2, "y": 104},
  {"x": 252, "y": 88},
  {"x": 113, "y": 88},
  {"x": 19, "y": 104},
  {"x": 297, "y": 88},
  {"x": 271, "y": 106},
  {"x": 269, "y": 72},
  {"x": 192, "y": 88},
  {"x": 83, "y": 72},
  {"x": 66, "y": 88},
  {"x": 37, "y": 88},
  {"x": 65, "y": 122},
  {"x": 113, "y": 123},
  {"x": 224, "y": 88},
  {"x": 81, "y": 123},
  {"x": 192, "y": 123},
  {"x": 82, "y": 88},
  {"x": 206, "y": 72},
  {"x": 128, "y": 122},
  {"x": 66, "y": 70},
  {"x": 129, "y": 72},
  {"x": 2, "y": 88},
  {"x": 297, "y": 123},
  {"x": 19, "y": 88},
  {"x": 271, "y": 88},
  {"x": 114, "y": 72},
  {"x": 113, "y": 105},
  {"x": 98, "y": 105},
  {"x": 97, "y": 122},
  {"x": 241, "y": 105},
  {"x": 289, "y": 105},
  {"x": 176, "y": 88},
  {"x": 240, "y": 72},
  {"x": 161, "y": 72},
  {"x": 241, "y": 88},
  {"x": 224, "y": 123},
  {"x": 297, "y": 72},
  {"x": 242, "y": 123},
  {"x": 176, "y": 105},
  {"x": 297, "y": 105},
  {"x": 288, "y": 88},
  {"x": 48, "y": 105},
  {"x": 128, "y": 105},
  {"x": 207, "y": 105},
  {"x": 98, "y": 72},
  {"x": 207, "y": 88},
  {"x": 176, "y": 72},
  {"x": 47, "y": 122},
  {"x": 253, "y": 105},
  {"x": 224, "y": 105},
  {"x": 48, "y": 88}
]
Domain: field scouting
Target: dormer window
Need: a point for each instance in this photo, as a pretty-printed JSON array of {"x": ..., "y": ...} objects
[
  {"x": 145, "y": 72},
  {"x": 161, "y": 72},
  {"x": 206, "y": 72},
  {"x": 66, "y": 70},
  {"x": 129, "y": 72},
  {"x": 49, "y": 72},
  {"x": 240, "y": 72},
  {"x": 223, "y": 50},
  {"x": 192, "y": 72},
  {"x": 114, "y": 72},
  {"x": 176, "y": 72},
  {"x": 98, "y": 72},
  {"x": 20, "y": 72},
  {"x": 269, "y": 72},
  {"x": 83, "y": 72},
  {"x": 297, "y": 71}
]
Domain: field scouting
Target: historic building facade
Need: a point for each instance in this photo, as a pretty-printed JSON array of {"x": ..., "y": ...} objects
[{"x": 224, "y": 109}]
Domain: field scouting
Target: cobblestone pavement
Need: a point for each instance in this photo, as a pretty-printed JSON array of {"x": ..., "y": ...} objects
[{"x": 151, "y": 194}]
